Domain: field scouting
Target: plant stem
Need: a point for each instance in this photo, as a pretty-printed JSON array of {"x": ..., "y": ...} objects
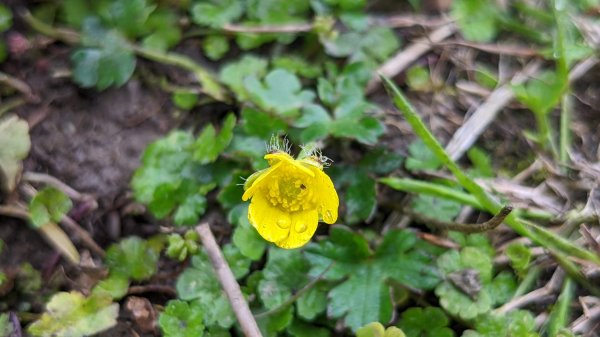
[
  {"x": 538, "y": 235},
  {"x": 560, "y": 313},
  {"x": 228, "y": 282},
  {"x": 528, "y": 281}
]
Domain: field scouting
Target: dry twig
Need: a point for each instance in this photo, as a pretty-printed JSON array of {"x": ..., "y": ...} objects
[{"x": 228, "y": 282}]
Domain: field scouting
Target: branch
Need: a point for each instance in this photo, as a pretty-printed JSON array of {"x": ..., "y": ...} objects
[
  {"x": 464, "y": 228},
  {"x": 228, "y": 282}
]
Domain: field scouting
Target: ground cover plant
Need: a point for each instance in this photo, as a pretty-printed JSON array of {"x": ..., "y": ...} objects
[{"x": 299, "y": 168}]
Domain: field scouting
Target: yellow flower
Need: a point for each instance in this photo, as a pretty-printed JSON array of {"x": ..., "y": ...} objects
[{"x": 288, "y": 198}]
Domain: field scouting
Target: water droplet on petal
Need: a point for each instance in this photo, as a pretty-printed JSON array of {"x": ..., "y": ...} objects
[
  {"x": 300, "y": 227},
  {"x": 329, "y": 216},
  {"x": 283, "y": 223}
]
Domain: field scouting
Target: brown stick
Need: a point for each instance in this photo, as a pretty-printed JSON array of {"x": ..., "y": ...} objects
[{"x": 228, "y": 282}]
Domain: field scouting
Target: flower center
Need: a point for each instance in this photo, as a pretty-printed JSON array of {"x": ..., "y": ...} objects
[{"x": 290, "y": 191}]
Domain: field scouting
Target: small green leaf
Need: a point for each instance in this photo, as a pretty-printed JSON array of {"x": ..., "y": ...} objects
[
  {"x": 6, "y": 328},
  {"x": 132, "y": 258},
  {"x": 209, "y": 144},
  {"x": 418, "y": 78},
  {"x": 105, "y": 60},
  {"x": 272, "y": 325},
  {"x": 239, "y": 264},
  {"x": 519, "y": 256},
  {"x": 190, "y": 210},
  {"x": 312, "y": 303},
  {"x": 261, "y": 124},
  {"x": 360, "y": 198},
  {"x": 14, "y": 147},
  {"x": 182, "y": 319},
  {"x": 215, "y": 46},
  {"x": 542, "y": 93},
  {"x": 425, "y": 322},
  {"x": 477, "y": 20},
  {"x": 247, "y": 239},
  {"x": 280, "y": 93},
  {"x": 301, "y": 329},
  {"x": 234, "y": 74},
  {"x": 184, "y": 100},
  {"x": 72, "y": 314},
  {"x": 374, "y": 329},
  {"x": 421, "y": 158},
  {"x": 381, "y": 161},
  {"x": 199, "y": 285},
  {"x": 440, "y": 209},
  {"x": 298, "y": 66},
  {"x": 115, "y": 286},
  {"x": 216, "y": 13},
  {"x": 49, "y": 205},
  {"x": 5, "y": 18}
]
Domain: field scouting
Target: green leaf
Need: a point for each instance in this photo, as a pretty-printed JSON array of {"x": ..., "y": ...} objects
[
  {"x": 5, "y": 18},
  {"x": 234, "y": 74},
  {"x": 14, "y": 147},
  {"x": 6, "y": 328},
  {"x": 181, "y": 319},
  {"x": 482, "y": 162},
  {"x": 298, "y": 66},
  {"x": 215, "y": 46},
  {"x": 445, "y": 210},
  {"x": 277, "y": 11},
  {"x": 73, "y": 315},
  {"x": 542, "y": 93},
  {"x": 280, "y": 93},
  {"x": 105, "y": 60},
  {"x": 49, "y": 205},
  {"x": 315, "y": 122},
  {"x": 115, "y": 286},
  {"x": 477, "y": 20},
  {"x": 132, "y": 258},
  {"x": 312, "y": 303},
  {"x": 184, "y": 100},
  {"x": 188, "y": 213},
  {"x": 360, "y": 198},
  {"x": 301, "y": 329},
  {"x": 365, "y": 295},
  {"x": 503, "y": 287},
  {"x": 239, "y": 264},
  {"x": 209, "y": 144},
  {"x": 272, "y": 325},
  {"x": 381, "y": 161},
  {"x": 376, "y": 329},
  {"x": 418, "y": 78},
  {"x": 216, "y": 13},
  {"x": 425, "y": 322},
  {"x": 128, "y": 16},
  {"x": 247, "y": 239},
  {"x": 421, "y": 158},
  {"x": 199, "y": 285},
  {"x": 165, "y": 30},
  {"x": 261, "y": 124},
  {"x": 519, "y": 256},
  {"x": 180, "y": 247},
  {"x": 516, "y": 323},
  {"x": 371, "y": 46},
  {"x": 457, "y": 301},
  {"x": 285, "y": 270}
]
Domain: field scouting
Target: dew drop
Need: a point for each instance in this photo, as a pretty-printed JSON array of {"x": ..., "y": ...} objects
[
  {"x": 300, "y": 227},
  {"x": 283, "y": 223},
  {"x": 329, "y": 216}
]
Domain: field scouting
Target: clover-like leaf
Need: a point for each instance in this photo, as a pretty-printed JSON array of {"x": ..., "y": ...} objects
[
  {"x": 365, "y": 295},
  {"x": 70, "y": 314},
  {"x": 105, "y": 60},
  {"x": 216, "y": 13},
  {"x": 280, "y": 92},
  {"x": 14, "y": 147},
  {"x": 198, "y": 284},
  {"x": 516, "y": 323},
  {"x": 133, "y": 258},
  {"x": 376, "y": 329},
  {"x": 209, "y": 144},
  {"x": 425, "y": 322},
  {"x": 49, "y": 205},
  {"x": 465, "y": 291},
  {"x": 182, "y": 319},
  {"x": 234, "y": 74}
]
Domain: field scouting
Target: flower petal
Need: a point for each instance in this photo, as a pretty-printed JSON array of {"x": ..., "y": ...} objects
[
  {"x": 258, "y": 180},
  {"x": 328, "y": 201},
  {"x": 303, "y": 227},
  {"x": 279, "y": 157},
  {"x": 272, "y": 223}
]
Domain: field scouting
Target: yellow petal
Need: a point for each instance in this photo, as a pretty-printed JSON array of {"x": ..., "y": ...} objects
[
  {"x": 257, "y": 181},
  {"x": 272, "y": 223},
  {"x": 303, "y": 227},
  {"x": 328, "y": 201},
  {"x": 286, "y": 158}
]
